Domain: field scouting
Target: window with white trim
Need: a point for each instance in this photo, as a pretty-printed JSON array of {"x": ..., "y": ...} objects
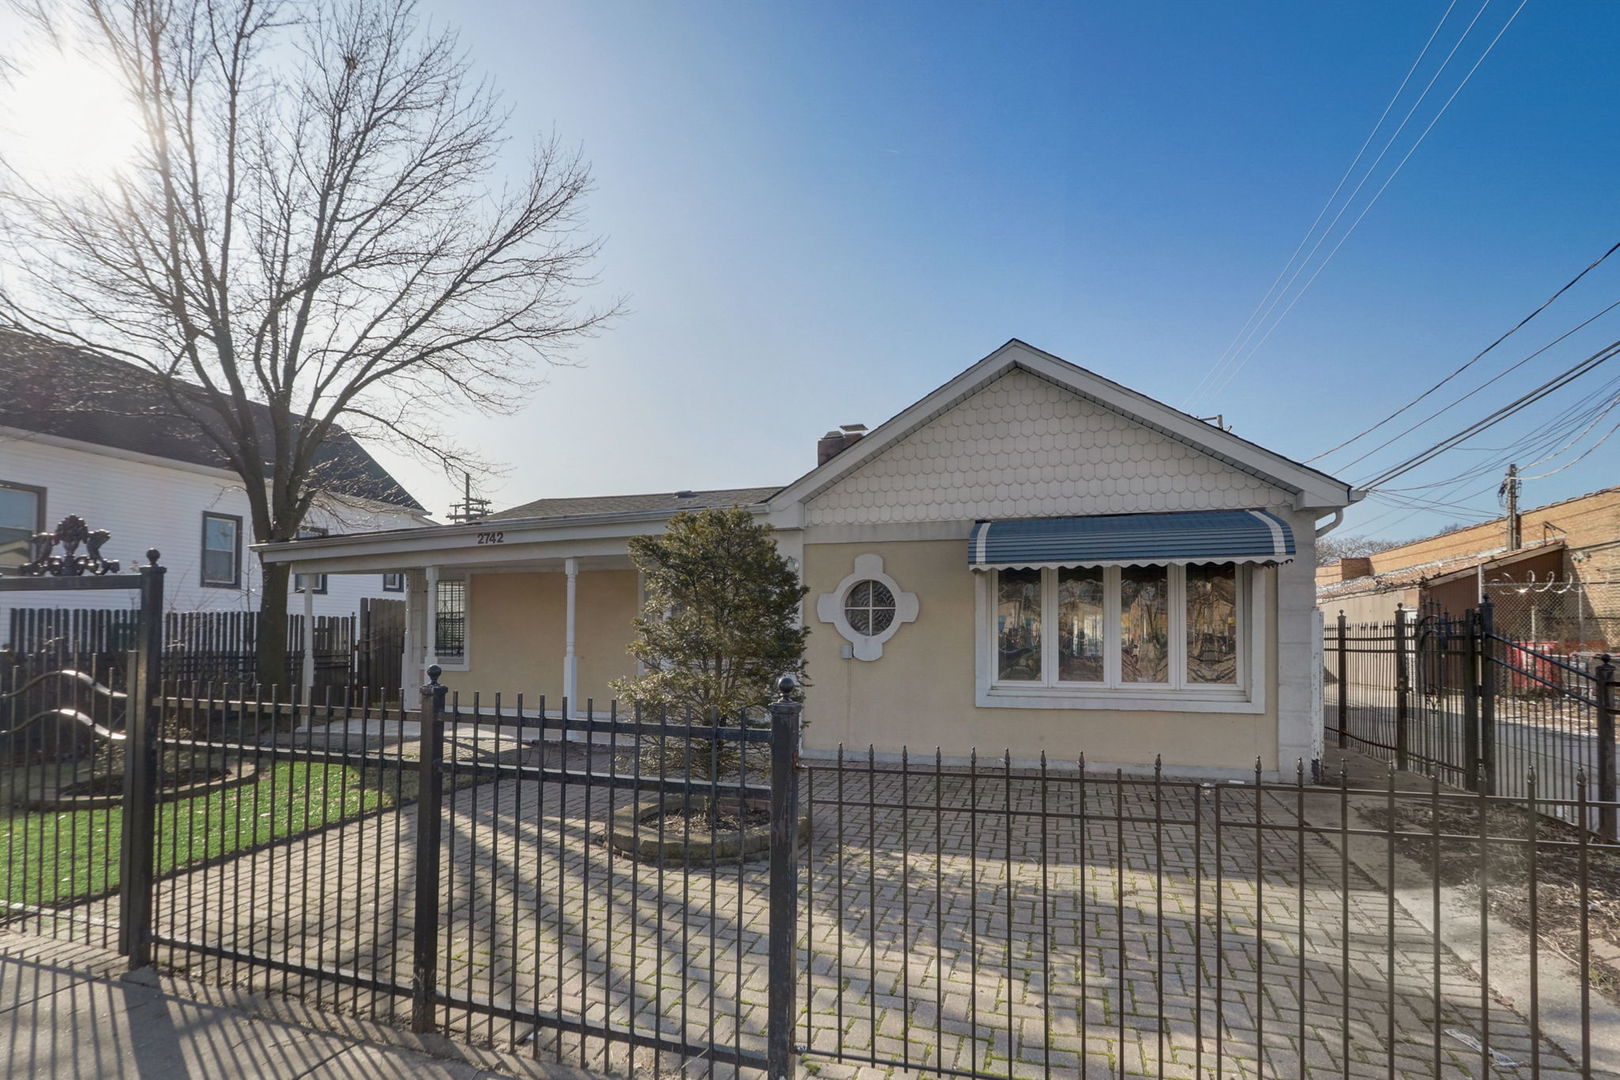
[
  {"x": 221, "y": 551},
  {"x": 450, "y": 621},
  {"x": 1149, "y": 630},
  {"x": 22, "y": 514}
]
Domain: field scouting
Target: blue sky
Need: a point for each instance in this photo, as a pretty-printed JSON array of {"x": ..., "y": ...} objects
[{"x": 818, "y": 212}]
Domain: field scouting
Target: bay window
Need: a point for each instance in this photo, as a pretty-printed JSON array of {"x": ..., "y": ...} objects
[{"x": 1105, "y": 636}]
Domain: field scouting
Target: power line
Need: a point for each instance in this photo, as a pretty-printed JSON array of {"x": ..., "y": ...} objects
[
  {"x": 1217, "y": 375},
  {"x": 1557, "y": 382},
  {"x": 1412, "y": 502},
  {"x": 1520, "y": 325},
  {"x": 1333, "y": 197},
  {"x": 1582, "y": 455},
  {"x": 1494, "y": 378},
  {"x": 1408, "y": 507},
  {"x": 1536, "y": 444},
  {"x": 1230, "y": 374},
  {"x": 1414, "y": 512}
]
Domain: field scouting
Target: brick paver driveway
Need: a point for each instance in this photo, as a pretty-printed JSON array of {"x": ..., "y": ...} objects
[{"x": 1131, "y": 939}]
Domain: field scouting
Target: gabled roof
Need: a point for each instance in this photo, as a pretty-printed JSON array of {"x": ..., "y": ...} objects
[
  {"x": 73, "y": 393},
  {"x": 670, "y": 501},
  {"x": 1311, "y": 489}
]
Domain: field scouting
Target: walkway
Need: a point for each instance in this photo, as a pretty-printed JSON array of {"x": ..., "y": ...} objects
[{"x": 68, "y": 1011}]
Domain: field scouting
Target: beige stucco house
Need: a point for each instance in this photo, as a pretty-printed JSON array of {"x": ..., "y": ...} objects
[{"x": 1030, "y": 558}]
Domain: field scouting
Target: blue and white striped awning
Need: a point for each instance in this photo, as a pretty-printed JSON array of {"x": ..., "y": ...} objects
[{"x": 1196, "y": 536}]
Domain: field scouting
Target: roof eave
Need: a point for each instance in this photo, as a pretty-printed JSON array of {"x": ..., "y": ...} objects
[
  {"x": 1311, "y": 489},
  {"x": 289, "y": 551}
]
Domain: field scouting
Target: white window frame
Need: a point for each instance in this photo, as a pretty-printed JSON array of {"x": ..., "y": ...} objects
[
  {"x": 1254, "y": 586},
  {"x": 203, "y": 580},
  {"x": 463, "y": 662}
]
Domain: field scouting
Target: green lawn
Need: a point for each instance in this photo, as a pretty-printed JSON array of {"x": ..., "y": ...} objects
[{"x": 56, "y": 857}]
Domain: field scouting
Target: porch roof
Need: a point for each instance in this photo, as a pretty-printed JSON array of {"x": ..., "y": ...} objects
[{"x": 505, "y": 541}]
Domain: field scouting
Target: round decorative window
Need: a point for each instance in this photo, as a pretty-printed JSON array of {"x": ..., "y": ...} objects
[{"x": 869, "y": 607}]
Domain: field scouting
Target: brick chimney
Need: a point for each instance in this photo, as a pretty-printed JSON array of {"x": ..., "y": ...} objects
[
  {"x": 1352, "y": 568},
  {"x": 834, "y": 443}
]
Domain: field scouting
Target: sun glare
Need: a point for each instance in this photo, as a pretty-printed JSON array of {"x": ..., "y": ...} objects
[{"x": 65, "y": 119}]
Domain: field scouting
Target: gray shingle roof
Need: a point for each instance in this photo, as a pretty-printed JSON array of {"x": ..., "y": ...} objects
[
  {"x": 72, "y": 393},
  {"x": 670, "y": 501}
]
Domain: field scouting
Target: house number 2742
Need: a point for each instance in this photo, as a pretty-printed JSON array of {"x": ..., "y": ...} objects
[{"x": 492, "y": 538}]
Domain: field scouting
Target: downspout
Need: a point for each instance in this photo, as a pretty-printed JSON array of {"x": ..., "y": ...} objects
[{"x": 1317, "y": 733}]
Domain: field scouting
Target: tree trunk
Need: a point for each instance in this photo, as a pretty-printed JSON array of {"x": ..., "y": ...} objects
[{"x": 272, "y": 649}]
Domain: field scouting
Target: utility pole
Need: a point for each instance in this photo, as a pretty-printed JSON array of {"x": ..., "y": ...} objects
[
  {"x": 1510, "y": 489},
  {"x": 470, "y": 508}
]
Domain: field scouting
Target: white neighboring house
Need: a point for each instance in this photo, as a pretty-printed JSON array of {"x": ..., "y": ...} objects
[{"x": 85, "y": 434}]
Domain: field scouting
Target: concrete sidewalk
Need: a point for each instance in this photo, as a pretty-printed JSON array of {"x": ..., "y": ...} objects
[{"x": 70, "y": 1011}]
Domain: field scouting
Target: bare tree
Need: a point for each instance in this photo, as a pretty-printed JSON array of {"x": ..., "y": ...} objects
[
  {"x": 311, "y": 231},
  {"x": 1330, "y": 549}
]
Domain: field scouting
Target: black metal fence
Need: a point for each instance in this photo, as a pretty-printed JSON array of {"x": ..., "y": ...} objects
[
  {"x": 640, "y": 894},
  {"x": 496, "y": 870},
  {"x": 61, "y": 746},
  {"x": 1449, "y": 697},
  {"x": 360, "y": 651}
]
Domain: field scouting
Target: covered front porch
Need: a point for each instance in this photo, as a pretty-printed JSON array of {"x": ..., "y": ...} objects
[{"x": 504, "y": 608}]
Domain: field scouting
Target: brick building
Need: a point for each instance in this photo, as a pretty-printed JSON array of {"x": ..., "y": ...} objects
[{"x": 1554, "y": 579}]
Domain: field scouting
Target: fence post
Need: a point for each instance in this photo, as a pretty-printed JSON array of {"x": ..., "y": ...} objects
[
  {"x": 1344, "y": 695},
  {"x": 429, "y": 801},
  {"x": 136, "y": 853},
  {"x": 781, "y": 1057},
  {"x": 1487, "y": 692},
  {"x": 1403, "y": 690},
  {"x": 1606, "y": 688},
  {"x": 1471, "y": 699}
]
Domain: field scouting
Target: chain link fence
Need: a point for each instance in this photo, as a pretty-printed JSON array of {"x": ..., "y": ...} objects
[{"x": 1573, "y": 619}]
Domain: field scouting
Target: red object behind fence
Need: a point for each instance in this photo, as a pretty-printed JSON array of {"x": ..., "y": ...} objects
[{"x": 1532, "y": 665}]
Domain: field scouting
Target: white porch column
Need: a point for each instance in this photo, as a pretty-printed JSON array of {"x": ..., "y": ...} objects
[
  {"x": 410, "y": 664},
  {"x": 570, "y": 661},
  {"x": 308, "y": 677},
  {"x": 432, "y": 642}
]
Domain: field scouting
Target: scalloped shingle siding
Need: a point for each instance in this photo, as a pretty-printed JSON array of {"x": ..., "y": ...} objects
[{"x": 1022, "y": 447}]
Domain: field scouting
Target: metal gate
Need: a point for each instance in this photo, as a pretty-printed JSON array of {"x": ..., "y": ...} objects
[
  {"x": 500, "y": 870},
  {"x": 380, "y": 650},
  {"x": 1450, "y": 697},
  {"x": 71, "y": 740}
]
